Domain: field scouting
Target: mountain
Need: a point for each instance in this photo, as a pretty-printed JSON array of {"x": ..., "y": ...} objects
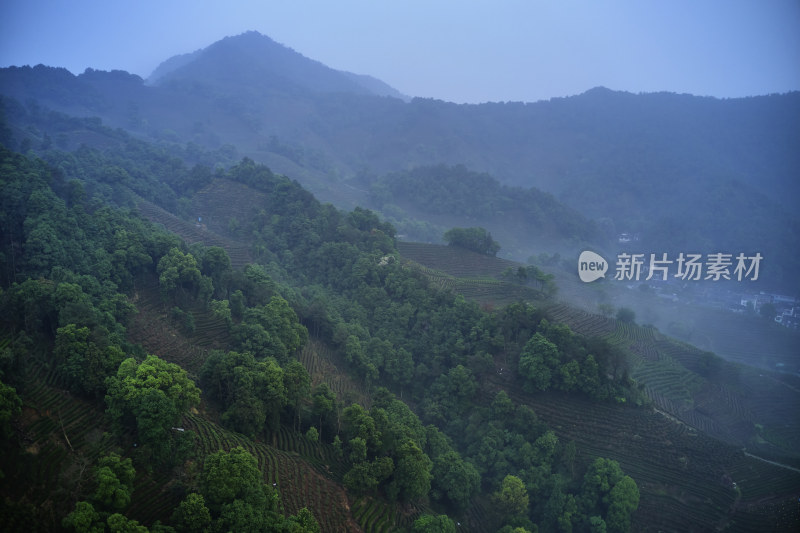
[
  {"x": 251, "y": 64},
  {"x": 683, "y": 172}
]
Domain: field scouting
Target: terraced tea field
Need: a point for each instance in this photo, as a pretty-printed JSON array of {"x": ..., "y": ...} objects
[
  {"x": 222, "y": 200},
  {"x": 454, "y": 261},
  {"x": 301, "y": 482},
  {"x": 62, "y": 435},
  {"x": 473, "y": 275},
  {"x": 152, "y": 328},
  {"x": 704, "y": 411},
  {"x": 191, "y": 233},
  {"x": 685, "y": 476},
  {"x": 320, "y": 363}
]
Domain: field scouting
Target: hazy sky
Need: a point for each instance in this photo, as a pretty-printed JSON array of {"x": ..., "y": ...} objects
[{"x": 457, "y": 50}]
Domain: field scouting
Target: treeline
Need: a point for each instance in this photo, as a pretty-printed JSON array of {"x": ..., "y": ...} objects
[
  {"x": 69, "y": 260},
  {"x": 458, "y": 191}
]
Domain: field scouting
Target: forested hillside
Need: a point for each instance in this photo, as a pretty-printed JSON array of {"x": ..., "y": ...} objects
[
  {"x": 193, "y": 339},
  {"x": 680, "y": 171},
  {"x": 454, "y": 194},
  {"x": 426, "y": 423}
]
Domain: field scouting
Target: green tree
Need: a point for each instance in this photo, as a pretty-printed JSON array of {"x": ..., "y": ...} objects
[
  {"x": 589, "y": 377},
  {"x": 222, "y": 310},
  {"x": 623, "y": 500},
  {"x": 475, "y": 239},
  {"x": 399, "y": 366},
  {"x": 324, "y": 403},
  {"x": 600, "y": 478},
  {"x": 84, "y": 519},
  {"x": 232, "y": 475},
  {"x": 251, "y": 392},
  {"x": 179, "y": 274},
  {"x": 151, "y": 397},
  {"x": 114, "y": 477},
  {"x": 512, "y": 497},
  {"x": 364, "y": 477},
  {"x": 568, "y": 375},
  {"x": 10, "y": 406},
  {"x": 297, "y": 383},
  {"x": 216, "y": 265},
  {"x": 118, "y": 523},
  {"x": 237, "y": 303},
  {"x": 302, "y": 522},
  {"x": 538, "y": 359},
  {"x": 192, "y": 515},
  {"x": 597, "y": 524},
  {"x": 412, "y": 474},
  {"x": 85, "y": 364},
  {"x": 455, "y": 479},
  {"x": 271, "y": 330},
  {"x": 428, "y": 523},
  {"x": 235, "y": 493}
]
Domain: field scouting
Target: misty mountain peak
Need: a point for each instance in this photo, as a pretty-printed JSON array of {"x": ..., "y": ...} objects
[{"x": 252, "y": 61}]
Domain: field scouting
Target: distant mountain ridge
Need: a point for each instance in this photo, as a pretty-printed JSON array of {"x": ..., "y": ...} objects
[{"x": 687, "y": 173}]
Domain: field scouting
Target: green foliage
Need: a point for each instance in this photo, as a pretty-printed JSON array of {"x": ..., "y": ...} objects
[
  {"x": 600, "y": 478},
  {"x": 454, "y": 479},
  {"x": 222, "y": 310},
  {"x": 597, "y": 525},
  {"x": 365, "y": 476},
  {"x": 151, "y": 397},
  {"x": 412, "y": 474},
  {"x": 297, "y": 383},
  {"x": 192, "y": 515},
  {"x": 312, "y": 434},
  {"x": 271, "y": 330},
  {"x": 178, "y": 274},
  {"x": 512, "y": 497},
  {"x": 623, "y": 500},
  {"x": 433, "y": 524},
  {"x": 437, "y": 349},
  {"x": 83, "y": 519},
  {"x": 554, "y": 357},
  {"x": 538, "y": 359},
  {"x": 235, "y": 493},
  {"x": 252, "y": 392},
  {"x": 475, "y": 239},
  {"x": 216, "y": 264},
  {"x": 114, "y": 477},
  {"x": 10, "y": 407},
  {"x": 324, "y": 403},
  {"x": 302, "y": 522},
  {"x": 233, "y": 475},
  {"x": 118, "y": 523},
  {"x": 85, "y": 364}
]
